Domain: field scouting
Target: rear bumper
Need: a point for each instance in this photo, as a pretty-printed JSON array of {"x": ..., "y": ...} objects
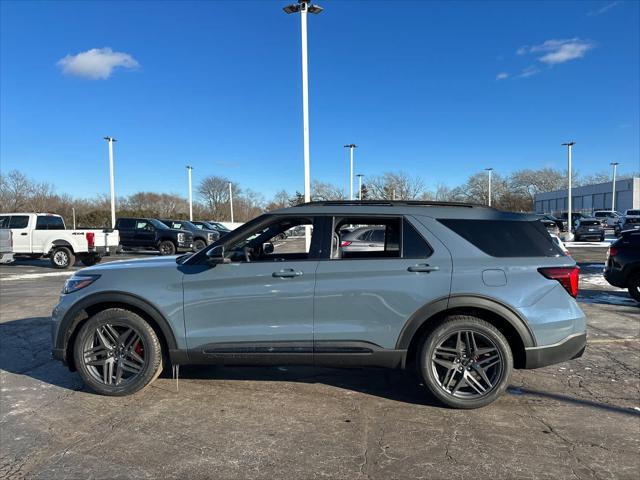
[
  {"x": 615, "y": 277},
  {"x": 568, "y": 349}
]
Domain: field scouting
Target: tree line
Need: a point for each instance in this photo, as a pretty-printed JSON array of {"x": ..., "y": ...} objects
[{"x": 513, "y": 192}]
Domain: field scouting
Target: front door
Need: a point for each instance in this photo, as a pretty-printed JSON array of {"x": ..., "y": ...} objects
[
  {"x": 145, "y": 235},
  {"x": 258, "y": 306}
]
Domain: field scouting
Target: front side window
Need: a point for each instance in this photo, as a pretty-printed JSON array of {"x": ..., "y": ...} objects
[
  {"x": 280, "y": 240},
  {"x": 143, "y": 225},
  {"x": 19, "y": 221}
]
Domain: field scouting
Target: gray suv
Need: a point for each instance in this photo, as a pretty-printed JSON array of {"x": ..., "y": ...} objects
[{"x": 461, "y": 293}]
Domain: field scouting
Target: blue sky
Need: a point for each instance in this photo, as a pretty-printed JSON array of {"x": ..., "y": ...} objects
[{"x": 417, "y": 85}]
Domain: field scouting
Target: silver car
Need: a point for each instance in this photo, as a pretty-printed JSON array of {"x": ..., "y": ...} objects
[{"x": 363, "y": 239}]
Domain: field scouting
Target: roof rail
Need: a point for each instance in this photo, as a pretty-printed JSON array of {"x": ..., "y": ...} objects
[{"x": 391, "y": 203}]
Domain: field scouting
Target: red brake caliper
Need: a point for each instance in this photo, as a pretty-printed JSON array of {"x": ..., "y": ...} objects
[{"x": 138, "y": 349}]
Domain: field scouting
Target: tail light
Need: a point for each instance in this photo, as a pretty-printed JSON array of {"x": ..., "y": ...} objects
[
  {"x": 91, "y": 239},
  {"x": 612, "y": 252},
  {"x": 345, "y": 243},
  {"x": 567, "y": 276}
]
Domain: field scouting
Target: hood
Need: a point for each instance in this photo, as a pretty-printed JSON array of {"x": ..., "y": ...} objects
[{"x": 151, "y": 262}]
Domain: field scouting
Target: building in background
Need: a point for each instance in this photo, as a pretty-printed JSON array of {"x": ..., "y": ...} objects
[{"x": 588, "y": 198}]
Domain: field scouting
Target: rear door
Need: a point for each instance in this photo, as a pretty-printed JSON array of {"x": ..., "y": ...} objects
[
  {"x": 363, "y": 299},
  {"x": 125, "y": 227}
]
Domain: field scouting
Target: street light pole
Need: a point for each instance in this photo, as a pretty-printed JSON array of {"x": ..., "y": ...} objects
[
  {"x": 110, "y": 141},
  {"x": 351, "y": 146},
  {"x": 304, "y": 7},
  {"x": 231, "y": 201},
  {"x": 570, "y": 200},
  {"x": 189, "y": 168},
  {"x": 613, "y": 197},
  {"x": 490, "y": 170},
  {"x": 360, "y": 186}
]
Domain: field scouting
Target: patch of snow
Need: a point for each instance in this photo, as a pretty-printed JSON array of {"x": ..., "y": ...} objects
[{"x": 30, "y": 276}]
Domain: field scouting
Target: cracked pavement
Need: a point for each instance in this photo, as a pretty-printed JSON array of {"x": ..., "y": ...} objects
[{"x": 579, "y": 419}]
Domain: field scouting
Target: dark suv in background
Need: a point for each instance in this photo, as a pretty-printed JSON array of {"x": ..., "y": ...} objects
[
  {"x": 588, "y": 228},
  {"x": 201, "y": 236},
  {"x": 152, "y": 234},
  {"x": 623, "y": 263}
]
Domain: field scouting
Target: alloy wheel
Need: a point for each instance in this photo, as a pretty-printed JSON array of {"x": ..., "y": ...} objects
[
  {"x": 467, "y": 364},
  {"x": 115, "y": 354},
  {"x": 61, "y": 258}
]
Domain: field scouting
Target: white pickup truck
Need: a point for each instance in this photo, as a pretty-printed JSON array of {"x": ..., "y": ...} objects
[{"x": 38, "y": 235}]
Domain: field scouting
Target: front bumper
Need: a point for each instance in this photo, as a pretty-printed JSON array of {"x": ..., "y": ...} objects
[{"x": 568, "y": 349}]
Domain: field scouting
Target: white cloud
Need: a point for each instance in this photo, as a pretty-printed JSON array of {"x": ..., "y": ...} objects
[
  {"x": 604, "y": 9},
  {"x": 502, "y": 76},
  {"x": 558, "y": 51},
  {"x": 529, "y": 71},
  {"x": 96, "y": 64}
]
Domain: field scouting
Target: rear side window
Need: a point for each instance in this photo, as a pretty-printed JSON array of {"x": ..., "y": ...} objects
[
  {"x": 19, "y": 221},
  {"x": 505, "y": 238},
  {"x": 413, "y": 245},
  {"x": 49, "y": 223}
]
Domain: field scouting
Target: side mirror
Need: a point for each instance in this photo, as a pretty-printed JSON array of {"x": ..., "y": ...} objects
[
  {"x": 267, "y": 248},
  {"x": 216, "y": 256}
]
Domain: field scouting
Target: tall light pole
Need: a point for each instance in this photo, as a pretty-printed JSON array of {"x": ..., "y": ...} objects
[
  {"x": 189, "y": 168},
  {"x": 569, "y": 174},
  {"x": 351, "y": 146},
  {"x": 613, "y": 197},
  {"x": 304, "y": 7},
  {"x": 360, "y": 175},
  {"x": 110, "y": 141},
  {"x": 490, "y": 170},
  {"x": 231, "y": 201}
]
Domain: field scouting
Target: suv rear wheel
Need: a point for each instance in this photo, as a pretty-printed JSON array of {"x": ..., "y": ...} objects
[
  {"x": 465, "y": 362},
  {"x": 62, "y": 257},
  {"x": 117, "y": 353},
  {"x": 167, "y": 247},
  {"x": 634, "y": 286}
]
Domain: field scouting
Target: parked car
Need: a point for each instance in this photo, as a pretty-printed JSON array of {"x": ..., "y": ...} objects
[
  {"x": 152, "y": 234},
  {"x": 628, "y": 222},
  {"x": 588, "y": 228},
  {"x": 559, "y": 223},
  {"x": 560, "y": 244},
  {"x": 44, "y": 235},
  {"x": 608, "y": 218},
  {"x": 461, "y": 293},
  {"x": 623, "y": 263},
  {"x": 551, "y": 226},
  {"x": 221, "y": 229},
  {"x": 201, "y": 236},
  {"x": 6, "y": 241},
  {"x": 363, "y": 239},
  {"x": 575, "y": 216}
]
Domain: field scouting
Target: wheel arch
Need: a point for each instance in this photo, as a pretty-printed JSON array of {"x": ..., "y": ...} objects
[
  {"x": 503, "y": 317},
  {"x": 87, "y": 307},
  {"x": 59, "y": 243}
]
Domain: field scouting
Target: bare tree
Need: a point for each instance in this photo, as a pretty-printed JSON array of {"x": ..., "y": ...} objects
[
  {"x": 326, "y": 191},
  {"x": 214, "y": 192},
  {"x": 398, "y": 185}
]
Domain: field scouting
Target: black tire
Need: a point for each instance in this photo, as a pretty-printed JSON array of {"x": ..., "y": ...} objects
[
  {"x": 483, "y": 331},
  {"x": 199, "y": 244},
  {"x": 61, "y": 258},
  {"x": 90, "y": 260},
  {"x": 167, "y": 247},
  {"x": 148, "y": 342},
  {"x": 634, "y": 286}
]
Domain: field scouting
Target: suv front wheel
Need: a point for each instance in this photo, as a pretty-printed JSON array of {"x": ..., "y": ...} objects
[
  {"x": 465, "y": 362},
  {"x": 117, "y": 353}
]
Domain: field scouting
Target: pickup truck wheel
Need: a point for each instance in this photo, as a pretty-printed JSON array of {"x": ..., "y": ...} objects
[
  {"x": 90, "y": 260},
  {"x": 61, "y": 257},
  {"x": 634, "y": 287},
  {"x": 465, "y": 362},
  {"x": 167, "y": 248},
  {"x": 199, "y": 245},
  {"x": 117, "y": 353}
]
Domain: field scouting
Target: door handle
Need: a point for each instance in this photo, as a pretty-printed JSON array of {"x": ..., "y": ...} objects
[
  {"x": 287, "y": 273},
  {"x": 24, "y": 234},
  {"x": 423, "y": 267}
]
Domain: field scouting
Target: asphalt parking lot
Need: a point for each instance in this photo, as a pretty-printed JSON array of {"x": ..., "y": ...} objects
[{"x": 575, "y": 420}]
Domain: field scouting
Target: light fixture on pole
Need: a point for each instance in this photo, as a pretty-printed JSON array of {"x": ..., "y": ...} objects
[
  {"x": 613, "y": 196},
  {"x": 490, "y": 170},
  {"x": 360, "y": 175},
  {"x": 189, "y": 168},
  {"x": 231, "y": 201},
  {"x": 351, "y": 146},
  {"x": 110, "y": 141},
  {"x": 569, "y": 196},
  {"x": 304, "y": 7}
]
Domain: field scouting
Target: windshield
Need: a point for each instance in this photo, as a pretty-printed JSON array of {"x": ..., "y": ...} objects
[
  {"x": 589, "y": 223},
  {"x": 158, "y": 224},
  {"x": 633, "y": 212}
]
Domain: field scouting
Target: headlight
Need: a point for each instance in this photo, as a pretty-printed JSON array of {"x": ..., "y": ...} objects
[
  {"x": 211, "y": 237},
  {"x": 181, "y": 238},
  {"x": 78, "y": 282}
]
